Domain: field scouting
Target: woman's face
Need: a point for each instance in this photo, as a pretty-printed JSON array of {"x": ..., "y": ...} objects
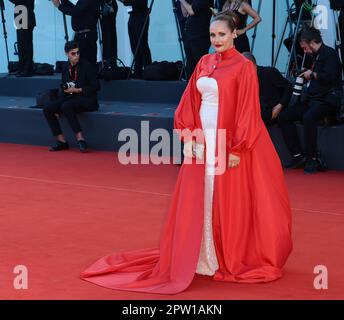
[{"x": 221, "y": 37}]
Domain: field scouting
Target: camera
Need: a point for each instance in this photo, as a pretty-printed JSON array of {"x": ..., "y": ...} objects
[
  {"x": 67, "y": 85},
  {"x": 298, "y": 86}
]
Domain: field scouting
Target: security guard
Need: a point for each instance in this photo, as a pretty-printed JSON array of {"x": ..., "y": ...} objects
[
  {"x": 25, "y": 36},
  {"x": 138, "y": 14},
  {"x": 85, "y": 15}
]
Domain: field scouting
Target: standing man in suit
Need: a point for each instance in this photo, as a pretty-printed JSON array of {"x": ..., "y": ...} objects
[
  {"x": 139, "y": 12},
  {"x": 85, "y": 15},
  {"x": 25, "y": 35},
  {"x": 196, "y": 32},
  {"x": 275, "y": 91},
  {"x": 109, "y": 10}
]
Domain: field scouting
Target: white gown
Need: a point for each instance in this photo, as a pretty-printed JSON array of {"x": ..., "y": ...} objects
[{"x": 208, "y": 264}]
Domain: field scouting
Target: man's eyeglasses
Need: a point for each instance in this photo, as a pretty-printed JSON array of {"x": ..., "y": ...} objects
[{"x": 76, "y": 53}]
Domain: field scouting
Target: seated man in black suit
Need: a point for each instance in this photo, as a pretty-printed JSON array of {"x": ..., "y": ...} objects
[
  {"x": 80, "y": 86},
  {"x": 321, "y": 98},
  {"x": 275, "y": 91}
]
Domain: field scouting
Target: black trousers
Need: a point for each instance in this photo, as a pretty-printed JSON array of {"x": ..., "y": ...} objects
[
  {"x": 266, "y": 114},
  {"x": 109, "y": 36},
  {"x": 70, "y": 107},
  {"x": 135, "y": 26},
  {"x": 195, "y": 49},
  {"x": 310, "y": 112},
  {"x": 88, "y": 45},
  {"x": 25, "y": 49}
]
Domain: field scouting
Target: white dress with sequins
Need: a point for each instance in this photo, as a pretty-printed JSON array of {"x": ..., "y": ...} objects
[{"x": 208, "y": 264}]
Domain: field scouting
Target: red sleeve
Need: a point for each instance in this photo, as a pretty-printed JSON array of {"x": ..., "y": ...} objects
[
  {"x": 188, "y": 108},
  {"x": 248, "y": 122}
]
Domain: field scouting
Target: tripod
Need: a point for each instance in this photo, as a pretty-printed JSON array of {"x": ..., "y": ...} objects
[
  {"x": 256, "y": 27},
  {"x": 180, "y": 39},
  {"x": 140, "y": 38},
  {"x": 65, "y": 27},
  {"x": 2, "y": 7},
  {"x": 289, "y": 22},
  {"x": 294, "y": 32}
]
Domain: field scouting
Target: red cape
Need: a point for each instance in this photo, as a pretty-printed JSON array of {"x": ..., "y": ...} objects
[{"x": 251, "y": 211}]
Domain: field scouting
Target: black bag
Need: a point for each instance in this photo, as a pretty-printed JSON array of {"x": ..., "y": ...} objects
[
  {"x": 45, "y": 97},
  {"x": 59, "y": 66},
  {"x": 163, "y": 71},
  {"x": 43, "y": 69},
  {"x": 13, "y": 66},
  {"x": 111, "y": 71}
]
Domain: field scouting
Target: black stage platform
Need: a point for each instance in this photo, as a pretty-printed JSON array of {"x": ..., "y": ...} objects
[{"x": 123, "y": 104}]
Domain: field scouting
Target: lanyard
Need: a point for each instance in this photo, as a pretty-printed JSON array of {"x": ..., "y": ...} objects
[{"x": 75, "y": 76}]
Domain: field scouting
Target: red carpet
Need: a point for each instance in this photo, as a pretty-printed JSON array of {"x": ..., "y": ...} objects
[{"x": 62, "y": 211}]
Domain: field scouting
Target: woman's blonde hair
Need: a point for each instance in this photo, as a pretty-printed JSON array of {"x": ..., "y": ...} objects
[{"x": 229, "y": 17}]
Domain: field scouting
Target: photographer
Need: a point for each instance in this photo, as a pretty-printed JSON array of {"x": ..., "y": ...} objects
[
  {"x": 80, "y": 86},
  {"x": 85, "y": 15},
  {"x": 138, "y": 11},
  {"x": 109, "y": 10},
  {"x": 25, "y": 37},
  {"x": 275, "y": 91},
  {"x": 322, "y": 97}
]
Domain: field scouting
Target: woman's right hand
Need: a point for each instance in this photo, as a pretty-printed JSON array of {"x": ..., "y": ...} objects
[
  {"x": 188, "y": 149},
  {"x": 233, "y": 161}
]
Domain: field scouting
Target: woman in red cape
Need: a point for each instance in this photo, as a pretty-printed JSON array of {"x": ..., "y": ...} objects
[{"x": 247, "y": 237}]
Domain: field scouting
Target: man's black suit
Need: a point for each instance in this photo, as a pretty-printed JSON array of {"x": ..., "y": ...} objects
[
  {"x": 25, "y": 34},
  {"x": 109, "y": 32},
  {"x": 72, "y": 104},
  {"x": 274, "y": 89},
  {"x": 196, "y": 33},
  {"x": 137, "y": 19},
  {"x": 85, "y": 15}
]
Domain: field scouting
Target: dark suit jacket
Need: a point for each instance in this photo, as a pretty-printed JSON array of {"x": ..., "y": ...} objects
[
  {"x": 30, "y": 5},
  {"x": 85, "y": 13},
  {"x": 86, "y": 79},
  {"x": 112, "y": 3},
  {"x": 329, "y": 70},
  {"x": 273, "y": 89}
]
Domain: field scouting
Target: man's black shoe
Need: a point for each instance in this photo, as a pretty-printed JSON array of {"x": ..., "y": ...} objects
[
  {"x": 59, "y": 146},
  {"x": 314, "y": 166},
  {"x": 83, "y": 147},
  {"x": 296, "y": 162}
]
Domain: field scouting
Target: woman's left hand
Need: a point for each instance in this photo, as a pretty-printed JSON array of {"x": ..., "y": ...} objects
[
  {"x": 240, "y": 32},
  {"x": 233, "y": 161}
]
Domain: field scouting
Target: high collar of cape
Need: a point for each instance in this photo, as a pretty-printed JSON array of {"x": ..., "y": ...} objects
[
  {"x": 226, "y": 55},
  {"x": 215, "y": 60}
]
